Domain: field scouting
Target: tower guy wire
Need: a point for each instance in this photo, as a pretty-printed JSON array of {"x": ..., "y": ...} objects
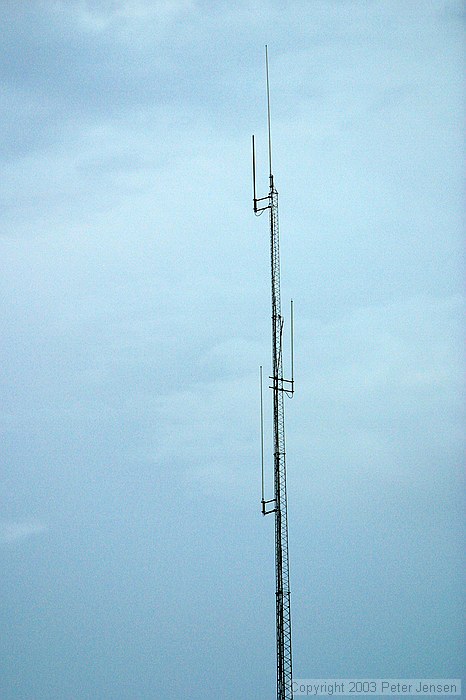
[{"x": 280, "y": 386}]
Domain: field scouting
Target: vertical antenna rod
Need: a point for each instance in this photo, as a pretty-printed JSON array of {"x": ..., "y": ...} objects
[
  {"x": 262, "y": 446},
  {"x": 268, "y": 114},
  {"x": 280, "y": 387}
]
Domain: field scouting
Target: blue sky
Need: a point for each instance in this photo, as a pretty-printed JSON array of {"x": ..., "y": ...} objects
[{"x": 136, "y": 313}]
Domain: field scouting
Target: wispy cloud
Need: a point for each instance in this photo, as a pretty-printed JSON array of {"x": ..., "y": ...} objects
[{"x": 16, "y": 531}]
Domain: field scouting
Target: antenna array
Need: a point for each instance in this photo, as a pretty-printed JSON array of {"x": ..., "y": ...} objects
[{"x": 280, "y": 386}]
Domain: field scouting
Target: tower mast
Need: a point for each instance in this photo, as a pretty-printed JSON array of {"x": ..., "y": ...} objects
[{"x": 280, "y": 387}]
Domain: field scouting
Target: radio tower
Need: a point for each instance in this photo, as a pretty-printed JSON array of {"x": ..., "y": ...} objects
[{"x": 280, "y": 387}]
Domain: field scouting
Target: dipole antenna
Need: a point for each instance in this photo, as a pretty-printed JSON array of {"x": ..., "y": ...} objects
[{"x": 280, "y": 386}]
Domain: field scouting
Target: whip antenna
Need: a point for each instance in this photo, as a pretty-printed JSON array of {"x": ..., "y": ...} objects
[{"x": 268, "y": 113}]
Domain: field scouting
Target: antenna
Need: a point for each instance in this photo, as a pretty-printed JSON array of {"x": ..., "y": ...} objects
[
  {"x": 268, "y": 113},
  {"x": 280, "y": 387},
  {"x": 292, "y": 340},
  {"x": 262, "y": 445},
  {"x": 254, "y": 174}
]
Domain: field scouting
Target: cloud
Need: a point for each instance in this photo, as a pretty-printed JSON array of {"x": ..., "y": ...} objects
[
  {"x": 104, "y": 16},
  {"x": 15, "y": 531},
  {"x": 383, "y": 391},
  {"x": 136, "y": 289}
]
